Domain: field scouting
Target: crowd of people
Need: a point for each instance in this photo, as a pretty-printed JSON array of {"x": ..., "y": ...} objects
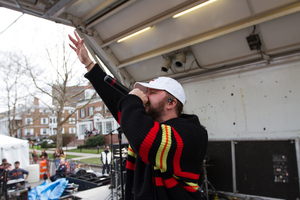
[
  {"x": 17, "y": 172},
  {"x": 94, "y": 132},
  {"x": 59, "y": 161},
  {"x": 57, "y": 156},
  {"x": 7, "y": 172},
  {"x": 35, "y": 158}
]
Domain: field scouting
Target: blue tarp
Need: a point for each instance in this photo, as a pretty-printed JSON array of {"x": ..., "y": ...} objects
[{"x": 48, "y": 191}]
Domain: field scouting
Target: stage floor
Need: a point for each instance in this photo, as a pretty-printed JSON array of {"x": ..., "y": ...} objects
[{"x": 101, "y": 193}]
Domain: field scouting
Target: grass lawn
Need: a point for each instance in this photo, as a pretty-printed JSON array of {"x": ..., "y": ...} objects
[
  {"x": 94, "y": 151},
  {"x": 39, "y": 147},
  {"x": 94, "y": 161},
  {"x": 36, "y": 147}
]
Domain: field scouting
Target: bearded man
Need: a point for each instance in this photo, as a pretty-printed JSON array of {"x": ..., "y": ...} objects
[{"x": 167, "y": 147}]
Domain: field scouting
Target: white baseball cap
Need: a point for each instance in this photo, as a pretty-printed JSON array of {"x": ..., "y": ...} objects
[{"x": 164, "y": 83}]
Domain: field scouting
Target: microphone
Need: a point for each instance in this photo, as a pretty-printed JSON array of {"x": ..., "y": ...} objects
[{"x": 115, "y": 84}]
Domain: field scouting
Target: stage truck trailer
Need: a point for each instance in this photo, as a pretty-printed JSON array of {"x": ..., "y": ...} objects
[{"x": 238, "y": 61}]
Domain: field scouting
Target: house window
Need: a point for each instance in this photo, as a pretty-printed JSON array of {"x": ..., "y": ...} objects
[
  {"x": 71, "y": 130},
  {"x": 28, "y": 112},
  {"x": 99, "y": 126},
  {"x": 52, "y": 120},
  {"x": 44, "y": 131},
  {"x": 108, "y": 127},
  {"x": 29, "y": 131},
  {"x": 71, "y": 120},
  {"x": 82, "y": 129},
  {"x": 91, "y": 111},
  {"x": 88, "y": 93},
  {"x": 28, "y": 120},
  {"x": 44, "y": 120},
  {"x": 82, "y": 112}
]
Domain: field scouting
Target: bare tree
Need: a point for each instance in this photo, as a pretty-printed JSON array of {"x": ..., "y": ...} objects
[
  {"x": 61, "y": 75},
  {"x": 15, "y": 88}
]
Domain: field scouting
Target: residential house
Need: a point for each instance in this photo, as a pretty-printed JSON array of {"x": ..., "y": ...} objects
[
  {"x": 95, "y": 116},
  {"x": 46, "y": 123},
  {"x": 41, "y": 121}
]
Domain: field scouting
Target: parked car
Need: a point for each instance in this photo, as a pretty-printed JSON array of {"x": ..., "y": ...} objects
[{"x": 48, "y": 141}]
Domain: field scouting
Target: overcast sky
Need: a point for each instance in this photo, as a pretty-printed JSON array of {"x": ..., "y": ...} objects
[{"x": 30, "y": 35}]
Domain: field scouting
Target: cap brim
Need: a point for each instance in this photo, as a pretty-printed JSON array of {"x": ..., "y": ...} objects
[{"x": 143, "y": 86}]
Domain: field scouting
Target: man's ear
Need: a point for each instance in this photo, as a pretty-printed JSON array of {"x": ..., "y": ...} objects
[{"x": 171, "y": 103}]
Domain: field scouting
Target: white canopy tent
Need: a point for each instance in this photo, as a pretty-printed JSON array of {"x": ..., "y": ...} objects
[{"x": 14, "y": 149}]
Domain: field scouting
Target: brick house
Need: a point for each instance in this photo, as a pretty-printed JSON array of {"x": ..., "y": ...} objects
[
  {"x": 95, "y": 116},
  {"x": 42, "y": 122},
  {"x": 46, "y": 122}
]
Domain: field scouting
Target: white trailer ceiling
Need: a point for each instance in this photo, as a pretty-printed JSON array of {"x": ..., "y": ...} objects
[{"x": 214, "y": 35}]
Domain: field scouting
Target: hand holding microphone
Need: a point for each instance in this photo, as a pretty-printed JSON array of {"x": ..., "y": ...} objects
[
  {"x": 140, "y": 94},
  {"x": 124, "y": 90}
]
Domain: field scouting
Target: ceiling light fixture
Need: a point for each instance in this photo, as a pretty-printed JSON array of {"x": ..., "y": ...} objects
[
  {"x": 180, "y": 60},
  {"x": 129, "y": 36},
  {"x": 194, "y": 8},
  {"x": 167, "y": 64}
]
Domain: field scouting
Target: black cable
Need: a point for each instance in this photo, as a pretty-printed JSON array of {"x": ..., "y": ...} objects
[
  {"x": 254, "y": 28},
  {"x": 120, "y": 131},
  {"x": 195, "y": 60},
  {"x": 12, "y": 23},
  {"x": 199, "y": 65},
  {"x": 263, "y": 53},
  {"x": 2, "y": 191},
  {"x": 4, "y": 186}
]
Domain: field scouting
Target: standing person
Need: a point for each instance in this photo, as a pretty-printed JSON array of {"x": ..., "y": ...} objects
[
  {"x": 44, "y": 155},
  {"x": 167, "y": 147},
  {"x": 62, "y": 155},
  {"x": 56, "y": 158},
  {"x": 34, "y": 157},
  {"x": 31, "y": 144},
  {"x": 5, "y": 165},
  {"x": 105, "y": 159},
  {"x": 4, "y": 170},
  {"x": 60, "y": 171},
  {"x": 18, "y": 172}
]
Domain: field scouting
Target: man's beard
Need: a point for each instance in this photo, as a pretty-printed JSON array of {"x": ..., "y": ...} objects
[{"x": 155, "y": 112}]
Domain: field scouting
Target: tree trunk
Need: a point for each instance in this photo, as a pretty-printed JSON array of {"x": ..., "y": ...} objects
[
  {"x": 59, "y": 137},
  {"x": 59, "y": 143}
]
